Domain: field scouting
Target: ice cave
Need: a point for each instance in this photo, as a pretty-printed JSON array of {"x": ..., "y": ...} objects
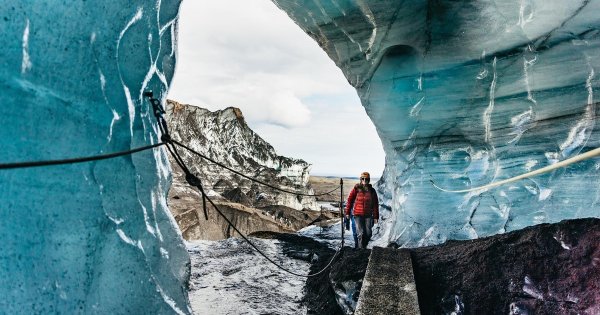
[{"x": 462, "y": 93}]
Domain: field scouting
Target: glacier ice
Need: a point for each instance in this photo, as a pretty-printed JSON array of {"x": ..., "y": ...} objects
[
  {"x": 465, "y": 93},
  {"x": 92, "y": 237}
]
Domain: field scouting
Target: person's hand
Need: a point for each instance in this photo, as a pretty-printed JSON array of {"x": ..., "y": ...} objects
[{"x": 376, "y": 220}]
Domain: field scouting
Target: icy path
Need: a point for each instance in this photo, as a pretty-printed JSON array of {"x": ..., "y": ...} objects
[{"x": 229, "y": 277}]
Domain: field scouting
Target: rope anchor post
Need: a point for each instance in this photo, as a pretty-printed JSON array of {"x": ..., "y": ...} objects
[{"x": 343, "y": 218}]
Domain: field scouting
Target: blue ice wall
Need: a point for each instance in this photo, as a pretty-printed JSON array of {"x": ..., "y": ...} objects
[
  {"x": 465, "y": 93},
  {"x": 92, "y": 238}
]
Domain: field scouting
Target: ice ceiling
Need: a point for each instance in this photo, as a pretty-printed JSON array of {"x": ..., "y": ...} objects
[{"x": 465, "y": 93}]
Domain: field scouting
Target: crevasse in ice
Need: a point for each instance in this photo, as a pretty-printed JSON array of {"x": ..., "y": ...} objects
[
  {"x": 465, "y": 93},
  {"x": 93, "y": 237}
]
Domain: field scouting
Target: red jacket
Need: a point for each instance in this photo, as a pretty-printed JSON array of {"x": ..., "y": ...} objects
[{"x": 364, "y": 200}]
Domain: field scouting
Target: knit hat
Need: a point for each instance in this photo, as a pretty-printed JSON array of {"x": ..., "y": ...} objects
[{"x": 365, "y": 175}]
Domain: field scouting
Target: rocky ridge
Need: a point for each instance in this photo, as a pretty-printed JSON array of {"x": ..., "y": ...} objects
[{"x": 225, "y": 137}]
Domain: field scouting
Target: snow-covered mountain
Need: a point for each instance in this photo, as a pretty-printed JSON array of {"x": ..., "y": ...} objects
[{"x": 225, "y": 137}]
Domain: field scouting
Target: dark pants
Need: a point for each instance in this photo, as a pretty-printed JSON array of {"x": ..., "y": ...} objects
[{"x": 363, "y": 230}]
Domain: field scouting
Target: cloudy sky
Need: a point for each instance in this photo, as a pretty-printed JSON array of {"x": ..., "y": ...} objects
[{"x": 249, "y": 54}]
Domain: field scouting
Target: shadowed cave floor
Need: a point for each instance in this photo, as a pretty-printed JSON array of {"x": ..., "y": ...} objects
[{"x": 545, "y": 269}]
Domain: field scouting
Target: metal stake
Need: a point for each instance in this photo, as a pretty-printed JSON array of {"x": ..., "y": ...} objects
[{"x": 342, "y": 209}]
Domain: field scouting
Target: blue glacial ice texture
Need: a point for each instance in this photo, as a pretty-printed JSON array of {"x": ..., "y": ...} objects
[
  {"x": 464, "y": 93},
  {"x": 94, "y": 237}
]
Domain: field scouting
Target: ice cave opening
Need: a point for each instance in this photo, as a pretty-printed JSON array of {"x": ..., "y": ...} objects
[{"x": 461, "y": 95}]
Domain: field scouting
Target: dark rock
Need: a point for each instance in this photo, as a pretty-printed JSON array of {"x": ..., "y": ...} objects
[
  {"x": 237, "y": 195},
  {"x": 346, "y": 277},
  {"x": 326, "y": 293},
  {"x": 188, "y": 213},
  {"x": 222, "y": 185},
  {"x": 544, "y": 269}
]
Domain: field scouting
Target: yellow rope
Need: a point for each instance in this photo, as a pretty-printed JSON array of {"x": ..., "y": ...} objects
[{"x": 575, "y": 159}]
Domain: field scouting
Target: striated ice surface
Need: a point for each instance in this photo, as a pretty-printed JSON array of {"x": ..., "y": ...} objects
[
  {"x": 467, "y": 93},
  {"x": 91, "y": 238}
]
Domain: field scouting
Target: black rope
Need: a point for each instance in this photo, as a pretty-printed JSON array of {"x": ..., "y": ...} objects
[
  {"x": 166, "y": 137},
  {"x": 264, "y": 255},
  {"x": 177, "y": 159},
  {"x": 194, "y": 181},
  {"x": 190, "y": 178},
  {"x": 246, "y": 176},
  {"x": 77, "y": 160}
]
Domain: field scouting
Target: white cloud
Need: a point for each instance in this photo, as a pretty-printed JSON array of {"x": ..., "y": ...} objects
[
  {"x": 249, "y": 50},
  {"x": 249, "y": 54},
  {"x": 287, "y": 110}
]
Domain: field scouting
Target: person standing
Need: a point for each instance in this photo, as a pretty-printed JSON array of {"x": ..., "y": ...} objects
[{"x": 364, "y": 204}]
